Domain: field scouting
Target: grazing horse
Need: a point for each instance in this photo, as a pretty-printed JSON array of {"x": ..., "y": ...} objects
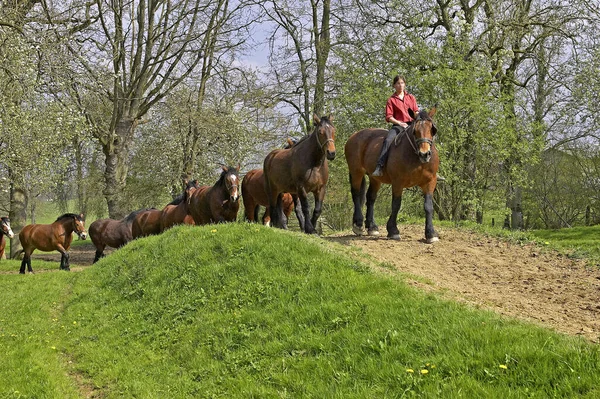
[
  {"x": 300, "y": 170},
  {"x": 254, "y": 195},
  {"x": 177, "y": 211},
  {"x": 146, "y": 223},
  {"x": 413, "y": 161},
  {"x": 5, "y": 230},
  {"x": 51, "y": 237},
  {"x": 218, "y": 203},
  {"x": 112, "y": 233}
]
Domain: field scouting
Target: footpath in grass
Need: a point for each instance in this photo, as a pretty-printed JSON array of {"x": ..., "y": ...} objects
[{"x": 244, "y": 311}]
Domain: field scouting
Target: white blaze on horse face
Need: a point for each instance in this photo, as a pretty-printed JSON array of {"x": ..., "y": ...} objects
[
  {"x": 10, "y": 233},
  {"x": 234, "y": 188}
]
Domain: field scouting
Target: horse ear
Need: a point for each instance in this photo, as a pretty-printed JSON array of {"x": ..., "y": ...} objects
[
  {"x": 224, "y": 168},
  {"x": 432, "y": 111},
  {"x": 330, "y": 117},
  {"x": 412, "y": 113},
  {"x": 82, "y": 216},
  {"x": 316, "y": 119},
  {"x": 238, "y": 167}
]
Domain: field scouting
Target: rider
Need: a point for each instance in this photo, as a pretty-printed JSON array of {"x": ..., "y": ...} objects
[{"x": 396, "y": 112}]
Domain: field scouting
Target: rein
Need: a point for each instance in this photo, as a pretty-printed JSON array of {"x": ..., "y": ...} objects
[{"x": 418, "y": 141}]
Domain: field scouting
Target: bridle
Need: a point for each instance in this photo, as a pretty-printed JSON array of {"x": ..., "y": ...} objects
[
  {"x": 322, "y": 145},
  {"x": 418, "y": 141}
]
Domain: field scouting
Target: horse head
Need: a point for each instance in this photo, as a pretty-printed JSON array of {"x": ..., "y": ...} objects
[
  {"x": 424, "y": 130},
  {"x": 325, "y": 134},
  {"x": 231, "y": 179},
  {"x": 5, "y": 227},
  {"x": 190, "y": 187},
  {"x": 79, "y": 226}
]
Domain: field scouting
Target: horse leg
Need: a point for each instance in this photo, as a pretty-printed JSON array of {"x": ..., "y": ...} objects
[
  {"x": 430, "y": 234},
  {"x": 23, "y": 265},
  {"x": 319, "y": 197},
  {"x": 64, "y": 258},
  {"x": 308, "y": 226},
  {"x": 280, "y": 214},
  {"x": 99, "y": 254},
  {"x": 357, "y": 189},
  {"x": 374, "y": 186},
  {"x": 392, "y": 224},
  {"x": 298, "y": 211},
  {"x": 266, "y": 219}
]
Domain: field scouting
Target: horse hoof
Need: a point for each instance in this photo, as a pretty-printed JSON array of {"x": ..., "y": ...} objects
[
  {"x": 357, "y": 230},
  {"x": 394, "y": 237},
  {"x": 373, "y": 233},
  {"x": 268, "y": 224},
  {"x": 432, "y": 240}
]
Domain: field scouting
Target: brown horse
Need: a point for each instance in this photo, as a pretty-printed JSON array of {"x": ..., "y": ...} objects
[
  {"x": 51, "y": 237},
  {"x": 146, "y": 223},
  {"x": 5, "y": 230},
  {"x": 218, "y": 203},
  {"x": 254, "y": 195},
  {"x": 177, "y": 211},
  {"x": 300, "y": 170},
  {"x": 112, "y": 233},
  {"x": 413, "y": 161}
]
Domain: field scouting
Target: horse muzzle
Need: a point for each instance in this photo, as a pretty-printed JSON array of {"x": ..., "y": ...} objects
[
  {"x": 10, "y": 234},
  {"x": 82, "y": 235},
  {"x": 425, "y": 157},
  {"x": 331, "y": 155}
]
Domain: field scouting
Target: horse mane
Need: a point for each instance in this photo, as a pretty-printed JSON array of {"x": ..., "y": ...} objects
[
  {"x": 177, "y": 200},
  {"x": 129, "y": 218},
  {"x": 324, "y": 119},
  {"x": 68, "y": 215}
]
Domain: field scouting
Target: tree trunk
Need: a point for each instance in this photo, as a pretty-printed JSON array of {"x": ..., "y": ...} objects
[
  {"x": 516, "y": 209},
  {"x": 17, "y": 216},
  {"x": 115, "y": 174},
  {"x": 81, "y": 199}
]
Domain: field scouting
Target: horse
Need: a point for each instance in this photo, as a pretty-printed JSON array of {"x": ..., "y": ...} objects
[
  {"x": 177, "y": 211},
  {"x": 146, "y": 223},
  {"x": 413, "y": 161},
  {"x": 5, "y": 230},
  {"x": 51, "y": 237},
  {"x": 112, "y": 233},
  {"x": 254, "y": 194},
  {"x": 300, "y": 170},
  {"x": 218, "y": 203}
]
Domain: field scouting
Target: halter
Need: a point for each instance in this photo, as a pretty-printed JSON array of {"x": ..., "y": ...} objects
[
  {"x": 228, "y": 186},
  {"x": 418, "y": 141},
  {"x": 322, "y": 145}
]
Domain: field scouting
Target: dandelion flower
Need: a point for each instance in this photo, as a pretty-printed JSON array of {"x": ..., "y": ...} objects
[
  {"x": 424, "y": 371},
  {"x": 74, "y": 322},
  {"x": 53, "y": 347},
  {"x": 410, "y": 370},
  {"x": 503, "y": 366},
  {"x": 213, "y": 231}
]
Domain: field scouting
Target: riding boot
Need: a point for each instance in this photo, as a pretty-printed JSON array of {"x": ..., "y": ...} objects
[{"x": 384, "y": 150}]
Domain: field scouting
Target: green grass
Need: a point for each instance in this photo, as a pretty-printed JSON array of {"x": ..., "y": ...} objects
[
  {"x": 579, "y": 242},
  {"x": 242, "y": 311}
]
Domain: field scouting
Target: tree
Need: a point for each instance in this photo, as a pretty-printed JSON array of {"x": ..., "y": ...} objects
[{"x": 126, "y": 57}]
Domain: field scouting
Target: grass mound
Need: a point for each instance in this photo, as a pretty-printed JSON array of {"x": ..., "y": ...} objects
[{"x": 241, "y": 310}]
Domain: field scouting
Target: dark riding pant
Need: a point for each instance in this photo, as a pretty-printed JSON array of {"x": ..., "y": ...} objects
[{"x": 383, "y": 156}]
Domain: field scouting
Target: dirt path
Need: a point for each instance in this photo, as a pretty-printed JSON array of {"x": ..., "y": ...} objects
[{"x": 526, "y": 282}]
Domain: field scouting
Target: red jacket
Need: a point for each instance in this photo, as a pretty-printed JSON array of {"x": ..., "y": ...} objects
[{"x": 399, "y": 108}]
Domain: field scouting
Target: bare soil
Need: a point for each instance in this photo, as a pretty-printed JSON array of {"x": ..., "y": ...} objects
[{"x": 522, "y": 281}]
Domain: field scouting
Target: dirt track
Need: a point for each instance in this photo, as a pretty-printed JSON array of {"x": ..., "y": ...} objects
[{"x": 526, "y": 282}]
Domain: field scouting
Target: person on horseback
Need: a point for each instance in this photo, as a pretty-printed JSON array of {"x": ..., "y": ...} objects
[{"x": 396, "y": 112}]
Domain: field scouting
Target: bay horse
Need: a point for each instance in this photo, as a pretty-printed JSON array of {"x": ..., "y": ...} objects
[
  {"x": 5, "y": 230},
  {"x": 300, "y": 170},
  {"x": 112, "y": 233},
  {"x": 218, "y": 203},
  {"x": 254, "y": 194},
  {"x": 177, "y": 211},
  {"x": 51, "y": 237},
  {"x": 146, "y": 223},
  {"x": 413, "y": 161}
]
